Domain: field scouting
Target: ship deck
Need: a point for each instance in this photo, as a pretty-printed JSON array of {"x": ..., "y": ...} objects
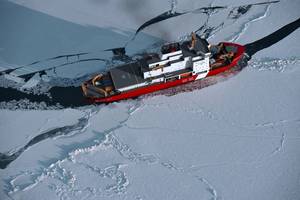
[{"x": 127, "y": 75}]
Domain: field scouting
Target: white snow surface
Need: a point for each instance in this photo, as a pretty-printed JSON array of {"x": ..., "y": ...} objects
[{"x": 237, "y": 139}]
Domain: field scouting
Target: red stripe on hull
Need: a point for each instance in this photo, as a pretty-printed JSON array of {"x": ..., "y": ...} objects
[
  {"x": 144, "y": 90},
  {"x": 160, "y": 86}
]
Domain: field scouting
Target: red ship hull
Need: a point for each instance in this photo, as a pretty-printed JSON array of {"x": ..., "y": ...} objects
[{"x": 160, "y": 86}]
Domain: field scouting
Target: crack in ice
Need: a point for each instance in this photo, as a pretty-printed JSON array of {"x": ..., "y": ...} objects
[
  {"x": 247, "y": 24},
  {"x": 79, "y": 127},
  {"x": 210, "y": 188},
  {"x": 279, "y": 148}
]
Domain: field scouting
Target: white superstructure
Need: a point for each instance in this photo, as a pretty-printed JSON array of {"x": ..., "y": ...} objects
[
  {"x": 179, "y": 58},
  {"x": 176, "y": 61}
]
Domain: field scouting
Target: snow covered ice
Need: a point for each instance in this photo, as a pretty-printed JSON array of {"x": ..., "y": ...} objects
[{"x": 236, "y": 139}]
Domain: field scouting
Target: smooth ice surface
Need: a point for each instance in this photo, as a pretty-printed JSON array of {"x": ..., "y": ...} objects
[{"x": 237, "y": 139}]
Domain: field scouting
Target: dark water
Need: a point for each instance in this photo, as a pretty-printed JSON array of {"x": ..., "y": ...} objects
[
  {"x": 273, "y": 38},
  {"x": 68, "y": 96},
  {"x": 64, "y": 96}
]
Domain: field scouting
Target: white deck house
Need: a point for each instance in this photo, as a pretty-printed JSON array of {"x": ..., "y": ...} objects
[
  {"x": 196, "y": 60},
  {"x": 175, "y": 61}
]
